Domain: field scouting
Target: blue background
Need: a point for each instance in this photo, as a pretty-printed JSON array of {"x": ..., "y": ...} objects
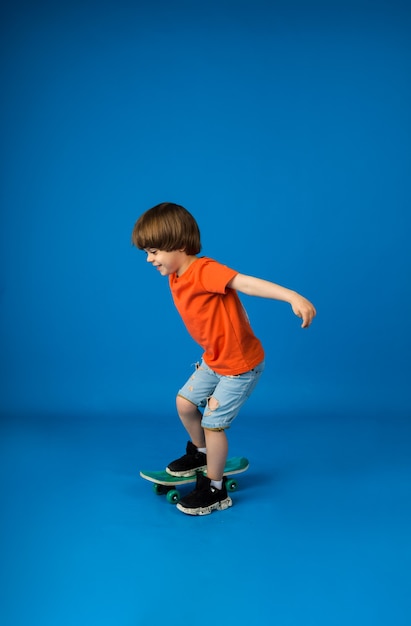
[{"x": 285, "y": 128}]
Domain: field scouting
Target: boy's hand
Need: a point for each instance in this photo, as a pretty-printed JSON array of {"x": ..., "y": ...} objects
[{"x": 304, "y": 309}]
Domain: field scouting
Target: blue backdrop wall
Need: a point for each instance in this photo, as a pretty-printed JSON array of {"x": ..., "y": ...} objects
[{"x": 283, "y": 126}]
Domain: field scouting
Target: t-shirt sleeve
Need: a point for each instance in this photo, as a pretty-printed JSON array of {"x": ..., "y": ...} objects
[{"x": 214, "y": 276}]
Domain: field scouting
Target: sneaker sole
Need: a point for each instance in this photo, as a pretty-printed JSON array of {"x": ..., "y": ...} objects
[
  {"x": 187, "y": 473},
  {"x": 206, "y": 510}
]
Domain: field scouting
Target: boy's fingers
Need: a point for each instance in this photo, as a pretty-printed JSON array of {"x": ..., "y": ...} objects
[
  {"x": 307, "y": 319},
  {"x": 307, "y": 315}
]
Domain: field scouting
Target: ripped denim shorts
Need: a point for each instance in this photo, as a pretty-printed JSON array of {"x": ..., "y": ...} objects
[{"x": 229, "y": 393}]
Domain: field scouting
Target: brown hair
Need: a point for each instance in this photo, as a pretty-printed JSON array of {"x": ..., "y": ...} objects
[{"x": 168, "y": 227}]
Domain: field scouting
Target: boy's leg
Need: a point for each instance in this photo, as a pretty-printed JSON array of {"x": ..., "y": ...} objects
[
  {"x": 214, "y": 440},
  {"x": 191, "y": 420},
  {"x": 195, "y": 458},
  {"x": 217, "y": 451}
]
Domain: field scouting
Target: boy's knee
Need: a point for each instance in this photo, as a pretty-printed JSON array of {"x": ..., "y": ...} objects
[
  {"x": 213, "y": 403},
  {"x": 184, "y": 406}
]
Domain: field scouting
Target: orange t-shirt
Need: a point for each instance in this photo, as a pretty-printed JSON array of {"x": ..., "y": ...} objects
[{"x": 215, "y": 317}]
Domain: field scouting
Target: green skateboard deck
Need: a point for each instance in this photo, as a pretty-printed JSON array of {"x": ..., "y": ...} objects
[{"x": 164, "y": 483}]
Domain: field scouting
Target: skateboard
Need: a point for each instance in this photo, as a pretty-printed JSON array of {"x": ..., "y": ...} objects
[{"x": 165, "y": 484}]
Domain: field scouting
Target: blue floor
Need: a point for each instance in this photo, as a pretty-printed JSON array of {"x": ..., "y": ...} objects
[{"x": 319, "y": 533}]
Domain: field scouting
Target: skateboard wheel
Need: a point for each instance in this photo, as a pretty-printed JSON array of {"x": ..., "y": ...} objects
[
  {"x": 231, "y": 484},
  {"x": 173, "y": 496}
]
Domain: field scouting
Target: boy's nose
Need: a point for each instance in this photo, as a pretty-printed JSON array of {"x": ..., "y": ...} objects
[{"x": 149, "y": 258}]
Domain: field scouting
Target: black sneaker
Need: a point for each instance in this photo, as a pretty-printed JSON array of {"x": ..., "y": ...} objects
[
  {"x": 205, "y": 498},
  {"x": 193, "y": 461}
]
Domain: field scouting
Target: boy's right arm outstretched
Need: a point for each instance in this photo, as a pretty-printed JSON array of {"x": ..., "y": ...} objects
[{"x": 253, "y": 286}]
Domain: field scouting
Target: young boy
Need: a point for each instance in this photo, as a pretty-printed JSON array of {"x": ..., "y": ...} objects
[{"x": 205, "y": 294}]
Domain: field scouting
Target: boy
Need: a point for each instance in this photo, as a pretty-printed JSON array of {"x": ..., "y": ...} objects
[{"x": 205, "y": 294}]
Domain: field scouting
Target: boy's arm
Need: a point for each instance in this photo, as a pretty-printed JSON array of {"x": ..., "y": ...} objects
[{"x": 252, "y": 286}]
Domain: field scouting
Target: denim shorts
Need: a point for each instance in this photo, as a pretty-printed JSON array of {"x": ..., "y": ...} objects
[{"x": 230, "y": 392}]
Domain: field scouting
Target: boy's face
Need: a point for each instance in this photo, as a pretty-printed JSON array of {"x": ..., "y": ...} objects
[{"x": 175, "y": 262}]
